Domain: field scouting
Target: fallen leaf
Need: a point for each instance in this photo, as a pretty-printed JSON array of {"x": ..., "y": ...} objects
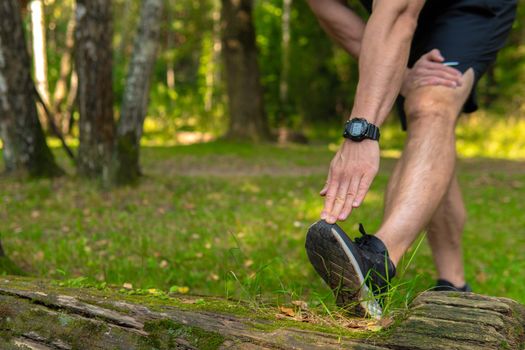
[
  {"x": 39, "y": 256},
  {"x": 188, "y": 301},
  {"x": 287, "y": 311},
  {"x": 101, "y": 243},
  {"x": 505, "y": 200},
  {"x": 481, "y": 277},
  {"x": 303, "y": 305},
  {"x": 374, "y": 328},
  {"x": 386, "y": 322},
  {"x": 188, "y": 206}
]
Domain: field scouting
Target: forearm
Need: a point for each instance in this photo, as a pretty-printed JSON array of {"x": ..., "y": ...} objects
[
  {"x": 383, "y": 57},
  {"x": 340, "y": 23}
]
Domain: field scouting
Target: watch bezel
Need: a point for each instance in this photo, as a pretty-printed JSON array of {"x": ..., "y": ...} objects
[{"x": 348, "y": 129}]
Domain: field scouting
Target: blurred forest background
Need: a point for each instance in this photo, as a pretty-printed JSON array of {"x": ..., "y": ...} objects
[
  {"x": 85, "y": 85},
  {"x": 288, "y": 81}
]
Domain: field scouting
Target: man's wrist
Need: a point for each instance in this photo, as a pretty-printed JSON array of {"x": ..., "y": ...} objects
[{"x": 359, "y": 129}]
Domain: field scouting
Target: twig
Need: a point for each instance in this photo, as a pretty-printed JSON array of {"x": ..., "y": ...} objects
[{"x": 54, "y": 128}]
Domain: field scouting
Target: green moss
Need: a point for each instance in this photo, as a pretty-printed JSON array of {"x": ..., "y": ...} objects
[
  {"x": 271, "y": 325},
  {"x": 8, "y": 267},
  {"x": 163, "y": 334},
  {"x": 19, "y": 316},
  {"x": 260, "y": 318},
  {"x": 125, "y": 166}
]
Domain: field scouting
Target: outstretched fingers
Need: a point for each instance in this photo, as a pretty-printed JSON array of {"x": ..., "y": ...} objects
[
  {"x": 350, "y": 197},
  {"x": 330, "y": 195},
  {"x": 364, "y": 186},
  {"x": 339, "y": 202},
  {"x": 327, "y": 183}
]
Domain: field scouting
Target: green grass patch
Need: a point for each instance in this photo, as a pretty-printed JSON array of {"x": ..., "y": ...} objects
[{"x": 230, "y": 220}]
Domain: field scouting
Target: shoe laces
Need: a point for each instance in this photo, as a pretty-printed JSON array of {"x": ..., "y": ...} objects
[
  {"x": 369, "y": 242},
  {"x": 365, "y": 237}
]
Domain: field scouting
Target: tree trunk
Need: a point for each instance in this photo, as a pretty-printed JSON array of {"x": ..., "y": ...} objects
[
  {"x": 25, "y": 149},
  {"x": 125, "y": 165},
  {"x": 211, "y": 68},
  {"x": 39, "y": 48},
  {"x": 94, "y": 58},
  {"x": 247, "y": 115},
  {"x": 43, "y": 315},
  {"x": 285, "y": 62},
  {"x": 38, "y": 30},
  {"x": 169, "y": 42},
  {"x": 61, "y": 92}
]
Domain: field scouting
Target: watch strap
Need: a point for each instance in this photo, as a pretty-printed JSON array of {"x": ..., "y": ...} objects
[{"x": 372, "y": 132}]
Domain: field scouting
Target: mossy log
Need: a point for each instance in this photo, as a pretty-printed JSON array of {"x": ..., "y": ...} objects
[{"x": 43, "y": 315}]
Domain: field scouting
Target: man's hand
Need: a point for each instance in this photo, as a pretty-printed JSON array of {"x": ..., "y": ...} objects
[
  {"x": 351, "y": 173},
  {"x": 430, "y": 70}
]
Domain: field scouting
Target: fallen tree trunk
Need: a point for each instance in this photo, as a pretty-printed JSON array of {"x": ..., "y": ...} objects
[{"x": 42, "y": 315}]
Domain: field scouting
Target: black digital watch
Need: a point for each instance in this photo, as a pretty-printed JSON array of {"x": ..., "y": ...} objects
[{"x": 358, "y": 129}]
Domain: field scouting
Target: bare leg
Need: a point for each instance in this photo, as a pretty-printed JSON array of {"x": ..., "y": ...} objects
[
  {"x": 444, "y": 235},
  {"x": 426, "y": 167},
  {"x": 444, "y": 230}
]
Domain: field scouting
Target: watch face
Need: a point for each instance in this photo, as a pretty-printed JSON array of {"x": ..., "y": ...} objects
[{"x": 357, "y": 128}]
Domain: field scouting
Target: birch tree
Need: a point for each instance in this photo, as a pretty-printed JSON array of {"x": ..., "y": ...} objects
[
  {"x": 125, "y": 165},
  {"x": 24, "y": 144},
  {"x": 39, "y": 48}
]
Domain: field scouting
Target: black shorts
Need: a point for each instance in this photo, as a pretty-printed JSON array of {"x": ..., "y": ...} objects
[{"x": 470, "y": 32}]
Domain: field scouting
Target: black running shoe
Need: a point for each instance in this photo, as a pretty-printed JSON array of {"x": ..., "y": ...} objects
[
  {"x": 357, "y": 272},
  {"x": 445, "y": 286}
]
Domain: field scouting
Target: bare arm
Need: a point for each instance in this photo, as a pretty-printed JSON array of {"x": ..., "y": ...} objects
[
  {"x": 384, "y": 55},
  {"x": 341, "y": 23},
  {"x": 344, "y": 26}
]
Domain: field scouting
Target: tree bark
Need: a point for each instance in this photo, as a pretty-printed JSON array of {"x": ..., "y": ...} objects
[
  {"x": 93, "y": 57},
  {"x": 42, "y": 315},
  {"x": 246, "y": 105},
  {"x": 39, "y": 48},
  {"x": 25, "y": 149},
  {"x": 212, "y": 76},
  {"x": 285, "y": 59},
  {"x": 125, "y": 165},
  {"x": 59, "y": 108}
]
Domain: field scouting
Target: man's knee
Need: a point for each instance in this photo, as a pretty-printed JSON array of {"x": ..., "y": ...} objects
[
  {"x": 438, "y": 103},
  {"x": 431, "y": 106}
]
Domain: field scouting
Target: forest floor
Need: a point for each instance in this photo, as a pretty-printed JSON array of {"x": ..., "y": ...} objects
[{"x": 230, "y": 220}]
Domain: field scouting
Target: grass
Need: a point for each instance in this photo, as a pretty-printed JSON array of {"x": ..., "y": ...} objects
[{"x": 230, "y": 220}]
